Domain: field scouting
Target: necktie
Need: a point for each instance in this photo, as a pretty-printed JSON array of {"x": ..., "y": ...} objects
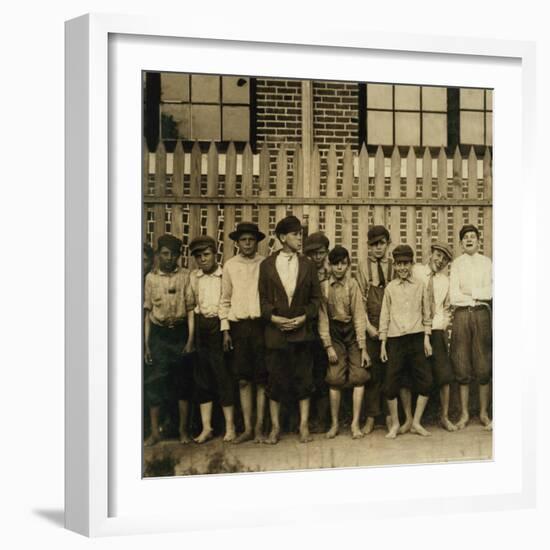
[{"x": 381, "y": 278}]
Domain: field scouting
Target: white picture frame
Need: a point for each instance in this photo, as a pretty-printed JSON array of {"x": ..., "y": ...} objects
[{"x": 99, "y": 500}]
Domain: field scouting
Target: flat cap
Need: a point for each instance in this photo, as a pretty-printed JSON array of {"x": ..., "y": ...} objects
[
  {"x": 403, "y": 252},
  {"x": 288, "y": 225},
  {"x": 466, "y": 229},
  {"x": 170, "y": 242},
  {"x": 443, "y": 247},
  {"x": 246, "y": 227},
  {"x": 201, "y": 243},
  {"x": 315, "y": 241},
  {"x": 376, "y": 233}
]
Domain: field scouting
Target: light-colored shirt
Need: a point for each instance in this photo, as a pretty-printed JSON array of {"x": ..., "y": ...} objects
[
  {"x": 343, "y": 302},
  {"x": 287, "y": 268},
  {"x": 240, "y": 297},
  {"x": 440, "y": 307},
  {"x": 207, "y": 289},
  {"x": 471, "y": 279},
  {"x": 405, "y": 309},
  {"x": 168, "y": 296}
]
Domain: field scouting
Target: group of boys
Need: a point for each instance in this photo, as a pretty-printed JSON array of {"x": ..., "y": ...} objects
[{"x": 300, "y": 328}]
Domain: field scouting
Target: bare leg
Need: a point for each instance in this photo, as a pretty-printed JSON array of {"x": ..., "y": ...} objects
[
  {"x": 483, "y": 404},
  {"x": 335, "y": 397},
  {"x": 305, "y": 437},
  {"x": 444, "y": 393},
  {"x": 228, "y": 414},
  {"x": 394, "y": 427},
  {"x": 259, "y": 436},
  {"x": 154, "y": 414},
  {"x": 206, "y": 419},
  {"x": 183, "y": 407},
  {"x": 369, "y": 425},
  {"x": 274, "y": 409},
  {"x": 358, "y": 393},
  {"x": 417, "y": 428},
  {"x": 464, "y": 403},
  {"x": 406, "y": 401},
  {"x": 245, "y": 391}
]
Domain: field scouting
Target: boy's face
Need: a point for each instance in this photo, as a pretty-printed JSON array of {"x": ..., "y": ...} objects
[
  {"x": 168, "y": 259},
  {"x": 318, "y": 256},
  {"x": 292, "y": 240},
  {"x": 339, "y": 269},
  {"x": 438, "y": 261},
  {"x": 403, "y": 268},
  {"x": 248, "y": 245},
  {"x": 205, "y": 260},
  {"x": 470, "y": 242},
  {"x": 379, "y": 248}
]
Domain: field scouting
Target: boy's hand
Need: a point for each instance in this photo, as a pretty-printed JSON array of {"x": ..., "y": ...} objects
[
  {"x": 188, "y": 347},
  {"x": 365, "y": 359},
  {"x": 297, "y": 322},
  {"x": 332, "y": 357},
  {"x": 372, "y": 331},
  {"x": 280, "y": 322},
  {"x": 427, "y": 345},
  {"x": 383, "y": 352},
  {"x": 227, "y": 342},
  {"x": 148, "y": 357}
]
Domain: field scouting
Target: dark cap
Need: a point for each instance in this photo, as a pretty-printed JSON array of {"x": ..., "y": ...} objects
[
  {"x": 246, "y": 227},
  {"x": 443, "y": 247},
  {"x": 376, "y": 233},
  {"x": 315, "y": 241},
  {"x": 201, "y": 243},
  {"x": 467, "y": 228},
  {"x": 403, "y": 252},
  {"x": 288, "y": 225},
  {"x": 170, "y": 242}
]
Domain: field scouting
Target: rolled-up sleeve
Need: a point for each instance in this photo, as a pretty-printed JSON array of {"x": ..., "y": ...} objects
[
  {"x": 426, "y": 310},
  {"x": 385, "y": 315}
]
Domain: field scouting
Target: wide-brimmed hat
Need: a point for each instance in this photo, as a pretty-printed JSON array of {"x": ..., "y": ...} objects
[
  {"x": 246, "y": 227},
  {"x": 443, "y": 247}
]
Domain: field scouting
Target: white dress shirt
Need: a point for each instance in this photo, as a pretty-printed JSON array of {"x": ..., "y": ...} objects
[
  {"x": 207, "y": 289},
  {"x": 471, "y": 279}
]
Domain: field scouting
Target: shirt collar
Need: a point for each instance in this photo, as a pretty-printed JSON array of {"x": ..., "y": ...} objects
[
  {"x": 217, "y": 273},
  {"x": 383, "y": 260},
  {"x": 166, "y": 273},
  {"x": 288, "y": 255},
  {"x": 401, "y": 281},
  {"x": 334, "y": 281}
]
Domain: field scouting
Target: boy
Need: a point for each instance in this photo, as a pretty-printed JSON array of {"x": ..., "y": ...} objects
[
  {"x": 342, "y": 330},
  {"x": 289, "y": 301},
  {"x": 169, "y": 326},
  {"x": 471, "y": 340},
  {"x": 434, "y": 277},
  {"x": 372, "y": 277},
  {"x": 242, "y": 326},
  {"x": 405, "y": 327},
  {"x": 212, "y": 376},
  {"x": 316, "y": 247}
]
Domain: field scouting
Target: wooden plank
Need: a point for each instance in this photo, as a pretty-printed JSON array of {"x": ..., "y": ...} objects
[
  {"x": 307, "y": 138},
  {"x": 330, "y": 211},
  {"x": 212, "y": 191},
  {"x": 229, "y": 209},
  {"x": 280, "y": 211},
  {"x": 426, "y": 210},
  {"x": 364, "y": 209},
  {"x": 347, "y": 192},
  {"x": 247, "y": 181},
  {"x": 442, "y": 225},
  {"x": 144, "y": 183},
  {"x": 263, "y": 214},
  {"x": 411, "y": 194},
  {"x": 395, "y": 183},
  {"x": 160, "y": 186},
  {"x": 298, "y": 181},
  {"x": 379, "y": 182},
  {"x": 195, "y": 190},
  {"x": 488, "y": 211},
  {"x": 473, "y": 212},
  {"x": 179, "y": 171},
  {"x": 315, "y": 190},
  {"x": 457, "y": 193}
]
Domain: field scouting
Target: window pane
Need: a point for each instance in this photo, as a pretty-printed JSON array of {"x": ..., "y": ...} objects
[
  {"x": 489, "y": 99},
  {"x": 174, "y": 87},
  {"x": 489, "y": 127},
  {"x": 175, "y": 122},
  {"x": 236, "y": 89},
  {"x": 205, "y": 89},
  {"x": 205, "y": 122},
  {"x": 434, "y": 130},
  {"x": 407, "y": 97},
  {"x": 236, "y": 123},
  {"x": 379, "y": 96},
  {"x": 379, "y": 128},
  {"x": 471, "y": 128},
  {"x": 471, "y": 99},
  {"x": 434, "y": 99},
  {"x": 407, "y": 128}
]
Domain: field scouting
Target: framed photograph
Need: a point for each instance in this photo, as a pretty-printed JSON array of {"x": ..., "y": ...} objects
[{"x": 186, "y": 145}]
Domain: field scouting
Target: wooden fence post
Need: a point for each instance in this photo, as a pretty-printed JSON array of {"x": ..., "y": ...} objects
[
  {"x": 411, "y": 194},
  {"x": 330, "y": 210},
  {"x": 195, "y": 191},
  {"x": 347, "y": 211},
  {"x": 395, "y": 184},
  {"x": 315, "y": 190},
  {"x": 229, "y": 209},
  {"x": 458, "y": 218},
  {"x": 426, "y": 210},
  {"x": 488, "y": 211},
  {"x": 442, "y": 225},
  {"x": 160, "y": 184},
  {"x": 363, "y": 209},
  {"x": 212, "y": 191},
  {"x": 379, "y": 185},
  {"x": 263, "y": 214},
  {"x": 179, "y": 171}
]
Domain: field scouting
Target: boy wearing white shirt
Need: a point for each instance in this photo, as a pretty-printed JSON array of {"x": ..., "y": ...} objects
[{"x": 471, "y": 340}]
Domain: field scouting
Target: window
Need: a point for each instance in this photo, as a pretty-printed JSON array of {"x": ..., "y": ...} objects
[{"x": 476, "y": 117}]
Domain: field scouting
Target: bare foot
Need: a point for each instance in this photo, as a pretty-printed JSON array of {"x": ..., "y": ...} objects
[
  {"x": 484, "y": 419},
  {"x": 229, "y": 435},
  {"x": 305, "y": 436},
  {"x": 247, "y": 435},
  {"x": 333, "y": 432},
  {"x": 204, "y": 436},
  {"x": 151, "y": 440},
  {"x": 273, "y": 437},
  {"x": 388, "y": 422},
  {"x": 489, "y": 427},
  {"x": 356, "y": 432},
  {"x": 184, "y": 438},
  {"x": 393, "y": 431},
  {"x": 406, "y": 427},
  {"x": 259, "y": 436},
  {"x": 462, "y": 422},
  {"x": 369, "y": 426},
  {"x": 447, "y": 424},
  {"x": 420, "y": 430}
]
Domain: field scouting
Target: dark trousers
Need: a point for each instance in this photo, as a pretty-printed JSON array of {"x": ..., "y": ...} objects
[{"x": 249, "y": 351}]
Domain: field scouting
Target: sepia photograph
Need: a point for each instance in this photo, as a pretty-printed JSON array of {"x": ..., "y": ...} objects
[{"x": 317, "y": 274}]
